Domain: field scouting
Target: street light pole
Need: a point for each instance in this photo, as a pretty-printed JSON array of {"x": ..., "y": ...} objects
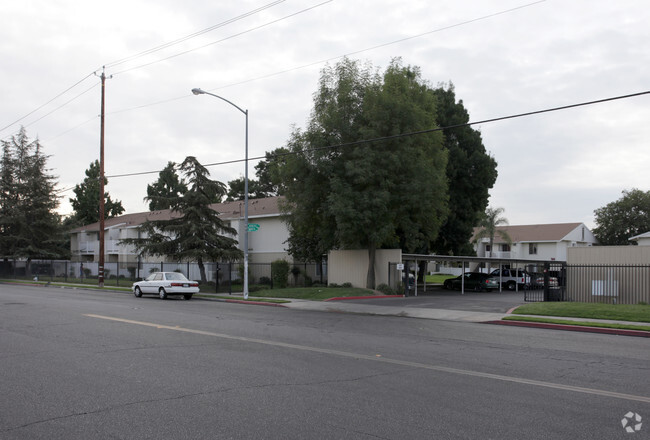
[{"x": 198, "y": 91}]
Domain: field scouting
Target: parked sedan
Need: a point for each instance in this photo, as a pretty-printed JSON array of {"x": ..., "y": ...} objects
[
  {"x": 166, "y": 283},
  {"x": 473, "y": 281},
  {"x": 538, "y": 281}
]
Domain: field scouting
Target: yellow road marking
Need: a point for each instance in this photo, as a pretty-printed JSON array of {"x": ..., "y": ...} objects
[{"x": 376, "y": 358}]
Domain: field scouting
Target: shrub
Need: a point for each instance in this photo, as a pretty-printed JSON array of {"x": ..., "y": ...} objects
[
  {"x": 265, "y": 281},
  {"x": 346, "y": 285},
  {"x": 385, "y": 289},
  {"x": 334, "y": 285},
  {"x": 280, "y": 274}
]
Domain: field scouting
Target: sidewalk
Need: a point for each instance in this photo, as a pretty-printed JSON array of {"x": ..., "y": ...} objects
[{"x": 361, "y": 308}]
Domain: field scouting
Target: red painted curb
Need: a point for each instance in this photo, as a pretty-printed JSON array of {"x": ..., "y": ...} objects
[
  {"x": 574, "y": 328},
  {"x": 257, "y": 303},
  {"x": 343, "y": 298}
]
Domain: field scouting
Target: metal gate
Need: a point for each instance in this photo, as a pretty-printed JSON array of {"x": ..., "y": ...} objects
[{"x": 549, "y": 285}]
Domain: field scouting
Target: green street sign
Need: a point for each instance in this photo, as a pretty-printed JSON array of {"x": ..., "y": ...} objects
[{"x": 252, "y": 227}]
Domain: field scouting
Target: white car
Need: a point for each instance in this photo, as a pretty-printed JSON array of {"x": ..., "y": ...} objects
[{"x": 166, "y": 283}]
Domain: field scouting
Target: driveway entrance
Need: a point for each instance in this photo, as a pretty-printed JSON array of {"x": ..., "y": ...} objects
[{"x": 492, "y": 302}]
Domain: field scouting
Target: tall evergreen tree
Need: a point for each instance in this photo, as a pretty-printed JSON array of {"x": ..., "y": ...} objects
[
  {"x": 8, "y": 211},
  {"x": 168, "y": 187},
  {"x": 86, "y": 202},
  {"x": 385, "y": 193},
  {"x": 195, "y": 232},
  {"x": 471, "y": 172},
  {"x": 30, "y": 227}
]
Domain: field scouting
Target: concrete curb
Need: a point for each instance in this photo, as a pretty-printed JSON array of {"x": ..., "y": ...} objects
[
  {"x": 242, "y": 301},
  {"x": 574, "y": 328},
  {"x": 343, "y": 298}
]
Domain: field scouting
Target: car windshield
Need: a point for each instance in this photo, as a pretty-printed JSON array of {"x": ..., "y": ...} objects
[{"x": 175, "y": 276}]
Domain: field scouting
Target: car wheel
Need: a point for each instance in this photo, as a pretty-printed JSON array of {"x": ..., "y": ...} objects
[
  {"x": 162, "y": 293},
  {"x": 447, "y": 285},
  {"x": 478, "y": 288},
  {"x": 187, "y": 296},
  {"x": 137, "y": 292},
  {"x": 511, "y": 285}
]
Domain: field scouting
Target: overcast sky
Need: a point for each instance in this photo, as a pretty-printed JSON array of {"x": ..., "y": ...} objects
[{"x": 504, "y": 57}]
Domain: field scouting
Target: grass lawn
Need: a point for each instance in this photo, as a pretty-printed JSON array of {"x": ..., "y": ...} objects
[
  {"x": 438, "y": 278},
  {"x": 618, "y": 312},
  {"x": 124, "y": 285},
  {"x": 580, "y": 323},
  {"x": 313, "y": 293}
]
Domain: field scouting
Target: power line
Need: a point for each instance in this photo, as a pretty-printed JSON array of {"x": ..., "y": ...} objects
[
  {"x": 132, "y": 57},
  {"x": 315, "y": 63},
  {"x": 48, "y": 102},
  {"x": 414, "y": 133},
  {"x": 378, "y": 46},
  {"x": 224, "y": 39},
  {"x": 193, "y": 35},
  {"x": 58, "y": 108}
]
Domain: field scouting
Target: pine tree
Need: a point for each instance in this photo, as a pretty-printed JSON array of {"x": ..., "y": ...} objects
[
  {"x": 168, "y": 186},
  {"x": 86, "y": 202},
  {"x": 30, "y": 226},
  {"x": 195, "y": 231}
]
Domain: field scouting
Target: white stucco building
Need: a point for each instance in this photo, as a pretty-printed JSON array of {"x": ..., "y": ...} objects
[
  {"x": 536, "y": 242},
  {"x": 266, "y": 244}
]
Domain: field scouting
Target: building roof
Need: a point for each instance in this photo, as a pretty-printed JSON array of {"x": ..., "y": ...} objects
[
  {"x": 637, "y": 237},
  {"x": 257, "y": 208},
  {"x": 535, "y": 233}
]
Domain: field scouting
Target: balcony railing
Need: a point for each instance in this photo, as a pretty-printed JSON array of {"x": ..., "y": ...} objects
[
  {"x": 498, "y": 254},
  {"x": 110, "y": 247}
]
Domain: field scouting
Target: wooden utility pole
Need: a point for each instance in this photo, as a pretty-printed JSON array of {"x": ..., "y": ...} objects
[{"x": 101, "y": 188}]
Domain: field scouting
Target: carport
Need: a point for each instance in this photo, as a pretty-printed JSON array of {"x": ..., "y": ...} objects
[{"x": 410, "y": 261}]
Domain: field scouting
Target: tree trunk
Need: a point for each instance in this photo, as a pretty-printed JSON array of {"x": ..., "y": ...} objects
[
  {"x": 370, "y": 280},
  {"x": 422, "y": 271},
  {"x": 204, "y": 279}
]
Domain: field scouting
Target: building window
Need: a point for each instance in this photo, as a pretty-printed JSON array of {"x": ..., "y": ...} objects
[
  {"x": 488, "y": 248},
  {"x": 532, "y": 249},
  {"x": 505, "y": 248}
]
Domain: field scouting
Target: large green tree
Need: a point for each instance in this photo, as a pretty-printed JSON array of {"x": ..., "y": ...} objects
[
  {"x": 168, "y": 187},
  {"x": 366, "y": 195},
  {"x": 86, "y": 201},
  {"x": 267, "y": 184},
  {"x": 471, "y": 172},
  {"x": 624, "y": 218},
  {"x": 194, "y": 232},
  {"x": 29, "y": 225}
]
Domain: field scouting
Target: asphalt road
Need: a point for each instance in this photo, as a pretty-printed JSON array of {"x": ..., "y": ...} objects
[{"x": 79, "y": 364}]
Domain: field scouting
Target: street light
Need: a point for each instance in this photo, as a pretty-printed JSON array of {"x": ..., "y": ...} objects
[{"x": 198, "y": 91}]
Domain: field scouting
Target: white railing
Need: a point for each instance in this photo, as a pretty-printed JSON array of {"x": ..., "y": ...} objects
[
  {"x": 87, "y": 247},
  {"x": 498, "y": 254}
]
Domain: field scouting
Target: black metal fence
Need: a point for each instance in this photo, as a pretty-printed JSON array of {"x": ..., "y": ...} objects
[
  {"x": 547, "y": 285},
  {"x": 224, "y": 277}
]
